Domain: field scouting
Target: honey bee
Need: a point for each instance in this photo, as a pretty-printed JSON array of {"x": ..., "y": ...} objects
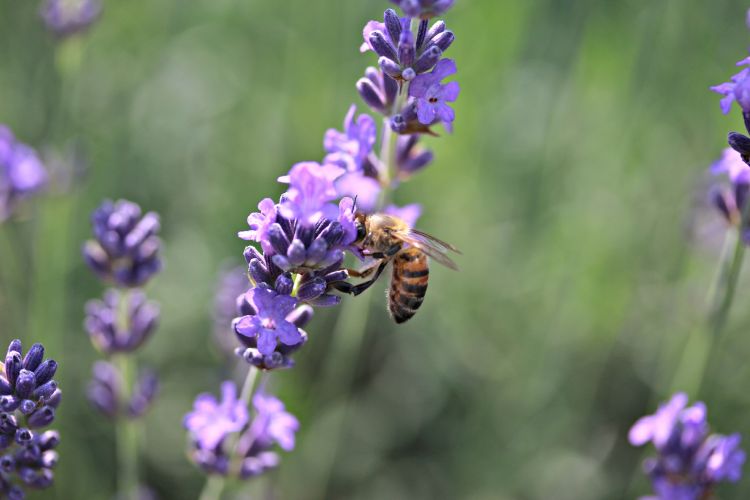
[{"x": 389, "y": 239}]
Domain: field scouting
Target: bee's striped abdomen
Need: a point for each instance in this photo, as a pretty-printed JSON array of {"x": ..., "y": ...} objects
[{"x": 408, "y": 284}]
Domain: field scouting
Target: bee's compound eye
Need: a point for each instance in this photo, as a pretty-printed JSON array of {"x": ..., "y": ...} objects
[{"x": 361, "y": 231}]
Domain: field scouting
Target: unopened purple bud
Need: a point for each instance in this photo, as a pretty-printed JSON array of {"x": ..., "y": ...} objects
[
  {"x": 46, "y": 371},
  {"x": 49, "y": 440},
  {"x": 251, "y": 253},
  {"x": 16, "y": 493},
  {"x": 144, "y": 393},
  {"x": 34, "y": 357},
  {"x": 24, "y": 435},
  {"x": 406, "y": 51},
  {"x": 284, "y": 284},
  {"x": 9, "y": 403},
  {"x": 12, "y": 366},
  {"x": 5, "y": 387},
  {"x": 443, "y": 40},
  {"x": 435, "y": 30},
  {"x": 8, "y": 423},
  {"x": 278, "y": 239},
  {"x": 312, "y": 289},
  {"x": 381, "y": 46},
  {"x": 428, "y": 59},
  {"x": 14, "y": 346},
  {"x": 258, "y": 271},
  {"x": 369, "y": 94},
  {"x": 7, "y": 463},
  {"x": 27, "y": 407},
  {"x": 392, "y": 24},
  {"x": 6, "y": 440},
  {"x": 50, "y": 459},
  {"x": 45, "y": 390},
  {"x": 408, "y": 74},
  {"x": 25, "y": 383},
  {"x": 42, "y": 417},
  {"x": 421, "y": 33},
  {"x": 326, "y": 300},
  {"x": 389, "y": 67},
  {"x": 54, "y": 399}
]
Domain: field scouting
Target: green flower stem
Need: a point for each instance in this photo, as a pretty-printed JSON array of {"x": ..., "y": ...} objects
[
  {"x": 12, "y": 271},
  {"x": 215, "y": 483},
  {"x": 126, "y": 429},
  {"x": 127, "y": 435}
]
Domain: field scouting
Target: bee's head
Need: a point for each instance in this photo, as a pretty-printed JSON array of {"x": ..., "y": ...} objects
[{"x": 360, "y": 224}]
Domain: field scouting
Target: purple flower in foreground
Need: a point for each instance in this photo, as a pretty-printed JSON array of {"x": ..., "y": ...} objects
[
  {"x": 432, "y": 96},
  {"x": 269, "y": 326},
  {"x": 21, "y": 172},
  {"x": 125, "y": 249},
  {"x": 28, "y": 399},
  {"x": 737, "y": 89},
  {"x": 211, "y": 421},
  {"x": 689, "y": 461},
  {"x": 260, "y": 222},
  {"x": 67, "y": 17},
  {"x": 424, "y": 8}
]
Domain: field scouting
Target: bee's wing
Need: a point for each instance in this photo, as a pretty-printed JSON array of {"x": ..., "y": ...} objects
[{"x": 430, "y": 245}]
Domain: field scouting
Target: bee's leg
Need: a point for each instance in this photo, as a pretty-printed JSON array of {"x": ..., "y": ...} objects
[
  {"x": 364, "y": 272},
  {"x": 346, "y": 287}
]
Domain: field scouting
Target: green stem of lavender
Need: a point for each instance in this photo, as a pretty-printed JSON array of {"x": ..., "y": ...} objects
[
  {"x": 126, "y": 430},
  {"x": 215, "y": 484}
]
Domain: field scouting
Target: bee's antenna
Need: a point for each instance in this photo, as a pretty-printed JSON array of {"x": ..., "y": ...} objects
[{"x": 354, "y": 207}]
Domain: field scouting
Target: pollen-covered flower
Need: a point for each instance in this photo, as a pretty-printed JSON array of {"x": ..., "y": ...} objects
[
  {"x": 29, "y": 397},
  {"x": 113, "y": 331},
  {"x": 21, "y": 172},
  {"x": 125, "y": 249},
  {"x": 689, "y": 461},
  {"x": 403, "y": 55},
  {"x": 66, "y": 17},
  {"x": 424, "y": 8},
  {"x": 736, "y": 89},
  {"x": 432, "y": 96}
]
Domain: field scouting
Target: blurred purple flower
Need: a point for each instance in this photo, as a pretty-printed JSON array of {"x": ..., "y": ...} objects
[
  {"x": 125, "y": 249},
  {"x": 105, "y": 391},
  {"x": 211, "y": 421},
  {"x": 737, "y": 89},
  {"x": 410, "y": 157},
  {"x": 67, "y": 17},
  {"x": 732, "y": 165},
  {"x": 21, "y": 172},
  {"x": 689, "y": 462},
  {"x": 424, "y": 8},
  {"x": 408, "y": 213},
  {"x": 232, "y": 284},
  {"x": 107, "y": 331},
  {"x": 432, "y": 96}
]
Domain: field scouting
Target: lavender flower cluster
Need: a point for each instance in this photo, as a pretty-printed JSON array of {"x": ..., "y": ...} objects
[
  {"x": 68, "y": 17},
  {"x": 28, "y": 399},
  {"x": 22, "y": 173},
  {"x": 125, "y": 252},
  {"x": 690, "y": 461},
  {"x": 302, "y": 238}
]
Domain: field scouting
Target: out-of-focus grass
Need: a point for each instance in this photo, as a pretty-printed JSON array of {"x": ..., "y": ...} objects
[{"x": 582, "y": 135}]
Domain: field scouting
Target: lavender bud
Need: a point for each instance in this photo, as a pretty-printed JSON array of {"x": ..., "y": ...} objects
[
  {"x": 33, "y": 357},
  {"x": 443, "y": 40},
  {"x": 312, "y": 289},
  {"x": 381, "y": 46},
  {"x": 42, "y": 417},
  {"x": 370, "y": 95},
  {"x": 14, "y": 346},
  {"x": 46, "y": 371},
  {"x": 389, "y": 67},
  {"x": 428, "y": 59},
  {"x": 25, "y": 383},
  {"x": 392, "y": 24},
  {"x": 23, "y": 436},
  {"x": 12, "y": 366},
  {"x": 27, "y": 407}
]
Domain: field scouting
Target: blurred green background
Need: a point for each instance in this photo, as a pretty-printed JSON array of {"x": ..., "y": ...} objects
[{"x": 574, "y": 184}]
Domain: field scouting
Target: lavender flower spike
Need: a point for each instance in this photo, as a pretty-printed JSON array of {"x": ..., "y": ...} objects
[
  {"x": 21, "y": 172},
  {"x": 689, "y": 461},
  {"x": 211, "y": 421},
  {"x": 106, "y": 332},
  {"x": 67, "y": 17},
  {"x": 269, "y": 326},
  {"x": 126, "y": 249},
  {"x": 28, "y": 399}
]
